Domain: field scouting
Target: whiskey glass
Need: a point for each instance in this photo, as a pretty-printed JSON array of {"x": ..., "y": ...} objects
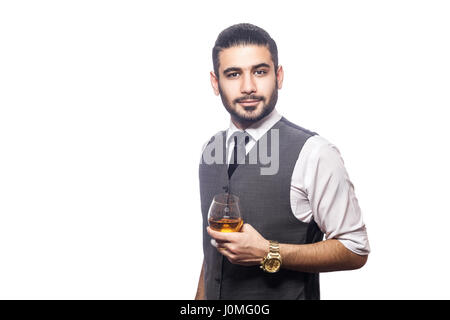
[{"x": 224, "y": 214}]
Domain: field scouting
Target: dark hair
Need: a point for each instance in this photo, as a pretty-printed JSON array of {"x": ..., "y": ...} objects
[{"x": 243, "y": 34}]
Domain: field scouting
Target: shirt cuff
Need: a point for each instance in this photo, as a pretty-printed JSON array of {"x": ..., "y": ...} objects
[{"x": 356, "y": 241}]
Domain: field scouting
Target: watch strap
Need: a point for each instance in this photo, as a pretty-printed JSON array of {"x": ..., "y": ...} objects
[
  {"x": 274, "y": 246},
  {"x": 274, "y": 253}
]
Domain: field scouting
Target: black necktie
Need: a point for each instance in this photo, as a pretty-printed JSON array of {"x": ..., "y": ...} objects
[{"x": 238, "y": 156}]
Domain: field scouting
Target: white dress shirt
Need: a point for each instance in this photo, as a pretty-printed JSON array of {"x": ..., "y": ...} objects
[{"x": 320, "y": 187}]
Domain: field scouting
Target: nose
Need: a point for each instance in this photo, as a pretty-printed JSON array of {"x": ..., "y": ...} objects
[{"x": 248, "y": 85}]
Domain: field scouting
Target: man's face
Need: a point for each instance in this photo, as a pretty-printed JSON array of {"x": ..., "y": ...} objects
[{"x": 247, "y": 82}]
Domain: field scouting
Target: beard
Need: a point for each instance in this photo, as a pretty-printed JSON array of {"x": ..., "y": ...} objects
[{"x": 250, "y": 117}]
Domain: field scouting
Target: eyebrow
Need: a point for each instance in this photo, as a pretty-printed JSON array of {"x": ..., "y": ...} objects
[{"x": 230, "y": 69}]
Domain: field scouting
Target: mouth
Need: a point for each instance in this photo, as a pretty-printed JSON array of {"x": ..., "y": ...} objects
[{"x": 249, "y": 103}]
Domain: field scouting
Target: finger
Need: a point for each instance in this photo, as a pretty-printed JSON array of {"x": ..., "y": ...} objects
[
  {"x": 222, "y": 250},
  {"x": 219, "y": 244},
  {"x": 226, "y": 246},
  {"x": 247, "y": 228},
  {"x": 221, "y": 236},
  {"x": 236, "y": 258},
  {"x": 249, "y": 263},
  {"x": 229, "y": 255}
]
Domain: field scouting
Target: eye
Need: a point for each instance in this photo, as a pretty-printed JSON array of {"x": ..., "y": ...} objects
[
  {"x": 232, "y": 75},
  {"x": 260, "y": 72}
]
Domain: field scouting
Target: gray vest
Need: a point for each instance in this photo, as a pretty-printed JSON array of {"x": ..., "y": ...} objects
[{"x": 265, "y": 204}]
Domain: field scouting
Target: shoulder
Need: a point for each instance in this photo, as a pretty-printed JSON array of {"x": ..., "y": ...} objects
[
  {"x": 314, "y": 145},
  {"x": 320, "y": 158},
  {"x": 294, "y": 128},
  {"x": 319, "y": 150}
]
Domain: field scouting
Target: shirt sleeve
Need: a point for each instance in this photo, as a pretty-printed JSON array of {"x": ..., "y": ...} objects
[{"x": 332, "y": 198}]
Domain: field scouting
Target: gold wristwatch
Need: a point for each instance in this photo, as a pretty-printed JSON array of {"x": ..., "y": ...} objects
[{"x": 272, "y": 261}]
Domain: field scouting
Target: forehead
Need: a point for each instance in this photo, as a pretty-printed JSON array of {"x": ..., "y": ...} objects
[{"x": 244, "y": 56}]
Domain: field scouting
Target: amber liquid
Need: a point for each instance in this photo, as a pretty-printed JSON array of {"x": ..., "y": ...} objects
[{"x": 226, "y": 224}]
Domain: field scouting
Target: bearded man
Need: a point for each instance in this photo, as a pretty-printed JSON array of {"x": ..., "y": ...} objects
[{"x": 302, "y": 217}]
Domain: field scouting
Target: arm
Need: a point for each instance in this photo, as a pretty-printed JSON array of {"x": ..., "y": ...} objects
[
  {"x": 324, "y": 256},
  {"x": 320, "y": 177},
  {"x": 321, "y": 190},
  {"x": 248, "y": 248},
  {"x": 200, "y": 295}
]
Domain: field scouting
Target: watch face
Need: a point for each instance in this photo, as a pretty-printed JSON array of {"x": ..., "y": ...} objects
[{"x": 272, "y": 265}]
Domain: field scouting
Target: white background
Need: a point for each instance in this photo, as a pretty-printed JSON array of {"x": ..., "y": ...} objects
[{"x": 104, "y": 107}]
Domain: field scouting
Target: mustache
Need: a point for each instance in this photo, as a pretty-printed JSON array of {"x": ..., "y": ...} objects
[{"x": 251, "y": 97}]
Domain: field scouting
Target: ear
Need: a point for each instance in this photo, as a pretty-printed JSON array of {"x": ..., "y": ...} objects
[
  {"x": 280, "y": 77},
  {"x": 214, "y": 82}
]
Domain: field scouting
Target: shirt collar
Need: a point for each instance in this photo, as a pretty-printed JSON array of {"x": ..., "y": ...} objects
[{"x": 257, "y": 129}]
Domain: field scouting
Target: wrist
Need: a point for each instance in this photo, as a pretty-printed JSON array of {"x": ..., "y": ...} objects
[
  {"x": 264, "y": 249},
  {"x": 272, "y": 261}
]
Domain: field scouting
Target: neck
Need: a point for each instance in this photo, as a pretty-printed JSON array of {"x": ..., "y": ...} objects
[
  {"x": 244, "y": 124},
  {"x": 241, "y": 124}
]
